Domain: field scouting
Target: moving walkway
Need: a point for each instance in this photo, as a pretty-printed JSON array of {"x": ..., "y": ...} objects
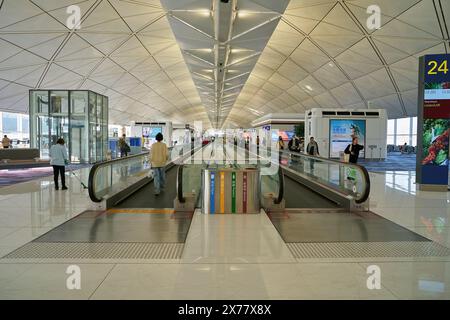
[{"x": 291, "y": 180}]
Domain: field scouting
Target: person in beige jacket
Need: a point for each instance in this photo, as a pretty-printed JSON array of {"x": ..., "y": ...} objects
[{"x": 159, "y": 157}]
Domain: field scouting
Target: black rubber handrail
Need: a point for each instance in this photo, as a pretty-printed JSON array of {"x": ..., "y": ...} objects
[
  {"x": 281, "y": 189},
  {"x": 180, "y": 196},
  {"x": 364, "y": 171},
  {"x": 97, "y": 165}
]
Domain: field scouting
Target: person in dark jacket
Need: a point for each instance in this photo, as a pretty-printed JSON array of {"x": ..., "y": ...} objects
[{"x": 353, "y": 150}]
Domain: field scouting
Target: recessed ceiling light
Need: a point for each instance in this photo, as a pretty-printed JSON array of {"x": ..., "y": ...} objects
[
  {"x": 204, "y": 12},
  {"x": 243, "y": 14}
]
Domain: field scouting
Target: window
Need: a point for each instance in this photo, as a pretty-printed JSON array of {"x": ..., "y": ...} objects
[
  {"x": 25, "y": 124},
  {"x": 401, "y": 131},
  {"x": 390, "y": 139},
  {"x": 402, "y": 139},
  {"x": 414, "y": 126},
  {"x": 391, "y": 127},
  {"x": 9, "y": 123},
  {"x": 403, "y": 126}
]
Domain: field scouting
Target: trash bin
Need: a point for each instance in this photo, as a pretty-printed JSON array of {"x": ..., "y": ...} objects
[{"x": 231, "y": 191}]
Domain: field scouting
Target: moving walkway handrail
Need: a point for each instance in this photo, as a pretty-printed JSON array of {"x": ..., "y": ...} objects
[
  {"x": 101, "y": 164},
  {"x": 362, "y": 169},
  {"x": 97, "y": 166},
  {"x": 281, "y": 189},
  {"x": 180, "y": 193},
  {"x": 180, "y": 196},
  {"x": 362, "y": 197}
]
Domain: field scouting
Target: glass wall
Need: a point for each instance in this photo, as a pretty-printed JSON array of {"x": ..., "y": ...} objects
[
  {"x": 76, "y": 116},
  {"x": 16, "y": 127},
  {"x": 401, "y": 131}
]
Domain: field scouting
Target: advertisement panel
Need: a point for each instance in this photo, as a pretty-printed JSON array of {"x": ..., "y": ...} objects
[
  {"x": 433, "y": 154},
  {"x": 341, "y": 133}
]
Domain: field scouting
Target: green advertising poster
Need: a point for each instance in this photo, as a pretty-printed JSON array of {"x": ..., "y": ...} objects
[{"x": 233, "y": 192}]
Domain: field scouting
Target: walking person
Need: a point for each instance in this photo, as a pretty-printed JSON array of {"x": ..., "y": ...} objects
[
  {"x": 353, "y": 150},
  {"x": 313, "y": 150},
  {"x": 6, "y": 142},
  {"x": 280, "y": 147},
  {"x": 294, "y": 146},
  {"x": 159, "y": 157},
  {"x": 123, "y": 146},
  {"x": 59, "y": 160},
  {"x": 257, "y": 144}
]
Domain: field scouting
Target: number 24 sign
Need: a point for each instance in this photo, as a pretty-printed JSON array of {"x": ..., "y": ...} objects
[
  {"x": 437, "y": 68},
  {"x": 434, "y": 67}
]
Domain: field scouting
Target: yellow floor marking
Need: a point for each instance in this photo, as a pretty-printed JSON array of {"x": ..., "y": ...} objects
[{"x": 143, "y": 211}]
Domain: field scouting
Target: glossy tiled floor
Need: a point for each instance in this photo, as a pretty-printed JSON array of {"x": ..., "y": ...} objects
[{"x": 225, "y": 257}]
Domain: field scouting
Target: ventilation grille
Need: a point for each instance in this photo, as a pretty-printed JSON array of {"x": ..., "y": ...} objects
[
  {"x": 394, "y": 249},
  {"x": 47, "y": 250}
]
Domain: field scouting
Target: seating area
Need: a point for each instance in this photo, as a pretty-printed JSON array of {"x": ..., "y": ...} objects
[
  {"x": 21, "y": 158},
  {"x": 409, "y": 149}
]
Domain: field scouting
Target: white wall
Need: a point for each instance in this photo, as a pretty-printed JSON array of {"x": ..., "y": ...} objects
[{"x": 376, "y": 129}]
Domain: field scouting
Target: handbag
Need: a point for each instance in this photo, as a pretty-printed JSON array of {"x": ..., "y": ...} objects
[{"x": 347, "y": 155}]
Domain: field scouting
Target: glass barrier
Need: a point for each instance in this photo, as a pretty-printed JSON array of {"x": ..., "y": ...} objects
[
  {"x": 189, "y": 180},
  {"x": 345, "y": 178},
  {"x": 111, "y": 177}
]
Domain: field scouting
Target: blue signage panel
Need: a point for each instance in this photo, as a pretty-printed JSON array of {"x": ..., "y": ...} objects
[{"x": 212, "y": 204}]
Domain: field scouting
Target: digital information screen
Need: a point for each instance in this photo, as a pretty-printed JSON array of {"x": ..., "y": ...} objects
[
  {"x": 435, "y": 110},
  {"x": 341, "y": 133}
]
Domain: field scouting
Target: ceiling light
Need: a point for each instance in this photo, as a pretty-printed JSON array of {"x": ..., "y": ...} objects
[
  {"x": 243, "y": 14},
  {"x": 204, "y": 50},
  {"x": 204, "y": 12},
  {"x": 309, "y": 88}
]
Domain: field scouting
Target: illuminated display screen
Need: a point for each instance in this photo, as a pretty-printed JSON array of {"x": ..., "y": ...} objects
[{"x": 341, "y": 133}]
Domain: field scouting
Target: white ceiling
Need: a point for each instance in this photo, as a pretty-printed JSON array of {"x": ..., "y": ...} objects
[{"x": 320, "y": 55}]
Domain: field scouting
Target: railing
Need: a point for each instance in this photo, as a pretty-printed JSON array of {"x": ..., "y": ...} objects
[
  {"x": 346, "y": 179},
  {"x": 281, "y": 188},
  {"x": 108, "y": 178},
  {"x": 342, "y": 177}
]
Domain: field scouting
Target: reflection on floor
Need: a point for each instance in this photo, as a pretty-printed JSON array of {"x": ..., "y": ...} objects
[
  {"x": 93, "y": 226},
  {"x": 12, "y": 176},
  {"x": 224, "y": 257},
  {"x": 395, "y": 161},
  {"x": 334, "y": 226}
]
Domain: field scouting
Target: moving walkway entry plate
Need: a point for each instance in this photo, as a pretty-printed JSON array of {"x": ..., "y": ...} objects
[{"x": 231, "y": 190}]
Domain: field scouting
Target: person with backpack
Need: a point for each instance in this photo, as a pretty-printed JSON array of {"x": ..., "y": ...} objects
[
  {"x": 159, "y": 157},
  {"x": 313, "y": 150},
  {"x": 59, "y": 160},
  {"x": 123, "y": 146},
  {"x": 294, "y": 144}
]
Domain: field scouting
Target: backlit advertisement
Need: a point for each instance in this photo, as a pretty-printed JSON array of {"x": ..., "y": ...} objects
[
  {"x": 341, "y": 133},
  {"x": 436, "y": 120}
]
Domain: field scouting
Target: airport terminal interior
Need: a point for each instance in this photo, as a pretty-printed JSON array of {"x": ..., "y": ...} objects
[{"x": 307, "y": 149}]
